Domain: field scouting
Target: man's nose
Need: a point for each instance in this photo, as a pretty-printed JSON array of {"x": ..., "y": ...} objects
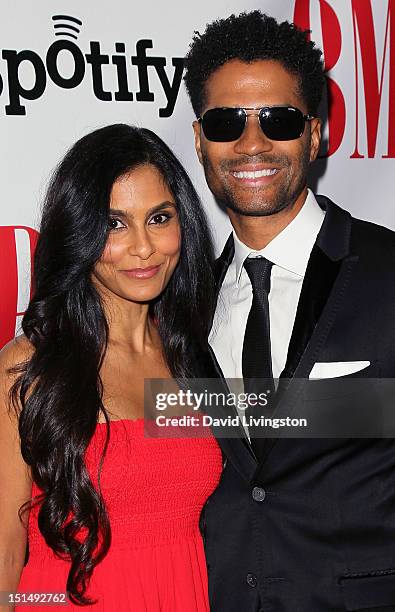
[
  {"x": 252, "y": 141},
  {"x": 141, "y": 244}
]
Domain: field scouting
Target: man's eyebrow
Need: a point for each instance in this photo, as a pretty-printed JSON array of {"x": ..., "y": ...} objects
[{"x": 150, "y": 211}]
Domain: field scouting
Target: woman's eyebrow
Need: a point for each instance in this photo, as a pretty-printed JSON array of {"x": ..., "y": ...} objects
[
  {"x": 119, "y": 212},
  {"x": 124, "y": 213},
  {"x": 161, "y": 206}
]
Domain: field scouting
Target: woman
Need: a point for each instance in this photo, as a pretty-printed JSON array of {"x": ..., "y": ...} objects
[{"x": 122, "y": 293}]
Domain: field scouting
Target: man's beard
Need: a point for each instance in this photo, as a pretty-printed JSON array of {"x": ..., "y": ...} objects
[{"x": 286, "y": 195}]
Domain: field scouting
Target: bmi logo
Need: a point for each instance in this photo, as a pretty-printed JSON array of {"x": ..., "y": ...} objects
[
  {"x": 90, "y": 66},
  {"x": 17, "y": 245},
  {"x": 374, "y": 61}
]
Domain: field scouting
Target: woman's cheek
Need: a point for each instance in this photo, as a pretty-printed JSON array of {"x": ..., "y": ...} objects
[
  {"x": 113, "y": 252},
  {"x": 171, "y": 245}
]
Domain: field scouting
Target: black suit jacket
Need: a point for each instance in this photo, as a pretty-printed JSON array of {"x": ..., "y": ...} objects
[{"x": 311, "y": 527}]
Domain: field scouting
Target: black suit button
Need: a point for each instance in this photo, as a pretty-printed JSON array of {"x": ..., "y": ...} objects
[
  {"x": 252, "y": 580},
  {"x": 258, "y": 494}
]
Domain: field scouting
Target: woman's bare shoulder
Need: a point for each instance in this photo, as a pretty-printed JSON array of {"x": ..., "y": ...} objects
[{"x": 14, "y": 352}]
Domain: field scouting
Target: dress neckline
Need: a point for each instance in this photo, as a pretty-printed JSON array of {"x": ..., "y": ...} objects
[{"x": 138, "y": 420}]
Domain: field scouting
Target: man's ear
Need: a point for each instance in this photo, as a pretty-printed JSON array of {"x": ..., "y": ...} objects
[
  {"x": 315, "y": 137},
  {"x": 196, "y": 129}
]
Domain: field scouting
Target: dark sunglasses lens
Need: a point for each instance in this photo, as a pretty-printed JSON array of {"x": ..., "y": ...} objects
[
  {"x": 223, "y": 124},
  {"x": 282, "y": 123}
]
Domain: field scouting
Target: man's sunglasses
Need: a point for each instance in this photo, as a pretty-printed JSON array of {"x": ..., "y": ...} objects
[{"x": 277, "y": 122}]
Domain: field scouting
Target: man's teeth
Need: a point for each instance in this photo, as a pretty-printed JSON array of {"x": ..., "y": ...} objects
[{"x": 256, "y": 174}]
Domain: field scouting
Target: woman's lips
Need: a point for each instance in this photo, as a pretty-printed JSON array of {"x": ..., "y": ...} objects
[{"x": 142, "y": 273}]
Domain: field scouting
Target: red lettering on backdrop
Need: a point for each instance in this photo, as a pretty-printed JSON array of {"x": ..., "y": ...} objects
[
  {"x": 332, "y": 43},
  {"x": 373, "y": 87},
  {"x": 9, "y": 278}
]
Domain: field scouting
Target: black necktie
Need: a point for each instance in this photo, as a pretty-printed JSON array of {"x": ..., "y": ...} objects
[{"x": 257, "y": 357}]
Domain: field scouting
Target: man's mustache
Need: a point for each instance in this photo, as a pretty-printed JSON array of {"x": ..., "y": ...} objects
[{"x": 279, "y": 161}]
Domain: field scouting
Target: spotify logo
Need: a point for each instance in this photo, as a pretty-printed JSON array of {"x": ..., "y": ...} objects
[{"x": 138, "y": 67}]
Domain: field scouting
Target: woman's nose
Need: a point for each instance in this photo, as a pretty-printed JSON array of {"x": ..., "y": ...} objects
[{"x": 141, "y": 244}]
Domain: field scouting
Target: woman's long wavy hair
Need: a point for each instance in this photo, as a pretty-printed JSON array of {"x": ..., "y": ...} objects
[{"x": 58, "y": 393}]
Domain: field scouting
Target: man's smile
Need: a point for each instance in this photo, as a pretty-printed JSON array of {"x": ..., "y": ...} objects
[{"x": 253, "y": 176}]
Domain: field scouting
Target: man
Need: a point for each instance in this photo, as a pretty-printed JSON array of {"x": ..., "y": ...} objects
[{"x": 304, "y": 290}]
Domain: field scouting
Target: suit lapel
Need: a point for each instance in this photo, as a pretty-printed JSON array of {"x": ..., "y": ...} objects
[
  {"x": 221, "y": 266},
  {"x": 327, "y": 278},
  {"x": 238, "y": 449},
  {"x": 327, "y": 264},
  {"x": 318, "y": 283},
  {"x": 235, "y": 448}
]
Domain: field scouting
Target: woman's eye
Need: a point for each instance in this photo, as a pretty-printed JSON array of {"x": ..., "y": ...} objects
[
  {"x": 114, "y": 223},
  {"x": 159, "y": 219}
]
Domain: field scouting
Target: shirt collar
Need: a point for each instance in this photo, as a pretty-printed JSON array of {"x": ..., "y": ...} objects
[{"x": 291, "y": 248}]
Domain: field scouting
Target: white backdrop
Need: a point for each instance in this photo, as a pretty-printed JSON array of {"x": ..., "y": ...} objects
[{"x": 57, "y": 82}]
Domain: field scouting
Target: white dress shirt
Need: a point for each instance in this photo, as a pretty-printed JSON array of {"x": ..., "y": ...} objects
[{"x": 289, "y": 252}]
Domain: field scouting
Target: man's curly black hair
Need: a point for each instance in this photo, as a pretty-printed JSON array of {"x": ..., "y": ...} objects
[{"x": 249, "y": 37}]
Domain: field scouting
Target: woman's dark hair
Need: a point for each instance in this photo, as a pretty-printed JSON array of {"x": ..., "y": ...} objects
[
  {"x": 58, "y": 391},
  {"x": 249, "y": 37}
]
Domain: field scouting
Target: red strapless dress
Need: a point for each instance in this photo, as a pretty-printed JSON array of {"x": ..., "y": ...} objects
[{"x": 154, "y": 489}]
